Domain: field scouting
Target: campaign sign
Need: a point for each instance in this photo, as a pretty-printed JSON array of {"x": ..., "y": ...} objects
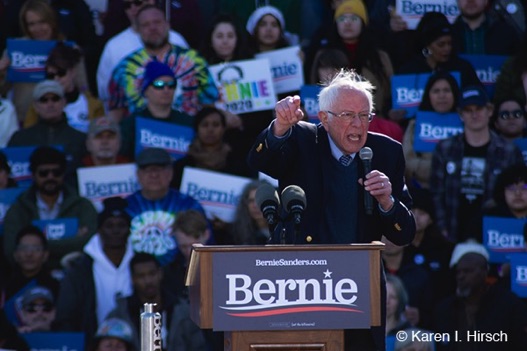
[
  {"x": 28, "y": 59},
  {"x": 488, "y": 68},
  {"x": 18, "y": 159},
  {"x": 218, "y": 193},
  {"x": 244, "y": 86},
  {"x": 102, "y": 182},
  {"x": 522, "y": 144},
  {"x": 46, "y": 341},
  {"x": 286, "y": 68},
  {"x": 291, "y": 290},
  {"x": 412, "y": 10},
  {"x": 503, "y": 236},
  {"x": 430, "y": 127},
  {"x": 518, "y": 263},
  {"x": 407, "y": 91},
  {"x": 309, "y": 96},
  {"x": 174, "y": 138},
  {"x": 7, "y": 198},
  {"x": 59, "y": 228}
]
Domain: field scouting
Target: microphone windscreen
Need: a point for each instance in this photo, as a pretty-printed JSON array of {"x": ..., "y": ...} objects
[
  {"x": 293, "y": 192},
  {"x": 366, "y": 153},
  {"x": 266, "y": 192}
]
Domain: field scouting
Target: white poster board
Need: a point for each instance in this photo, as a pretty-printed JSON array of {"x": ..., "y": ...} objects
[
  {"x": 99, "y": 183},
  {"x": 412, "y": 10},
  {"x": 286, "y": 68},
  {"x": 218, "y": 193}
]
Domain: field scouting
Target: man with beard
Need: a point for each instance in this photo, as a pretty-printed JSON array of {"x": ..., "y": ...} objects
[
  {"x": 103, "y": 143},
  {"x": 49, "y": 198},
  {"x": 478, "y": 32},
  {"x": 479, "y": 308},
  {"x": 190, "y": 69},
  {"x": 125, "y": 43},
  {"x": 88, "y": 290}
]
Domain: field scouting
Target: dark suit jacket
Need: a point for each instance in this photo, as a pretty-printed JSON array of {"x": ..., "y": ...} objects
[{"x": 299, "y": 161}]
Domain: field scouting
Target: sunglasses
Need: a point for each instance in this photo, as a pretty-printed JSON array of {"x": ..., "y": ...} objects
[
  {"x": 161, "y": 84},
  {"x": 33, "y": 307},
  {"x": 128, "y": 4},
  {"x": 516, "y": 114},
  {"x": 56, "y": 172},
  {"x": 53, "y": 98},
  {"x": 60, "y": 73}
]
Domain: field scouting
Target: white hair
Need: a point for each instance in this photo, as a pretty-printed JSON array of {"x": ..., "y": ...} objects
[{"x": 344, "y": 79}]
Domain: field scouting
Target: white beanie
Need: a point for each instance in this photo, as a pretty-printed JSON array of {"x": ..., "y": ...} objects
[
  {"x": 469, "y": 246},
  {"x": 257, "y": 15}
]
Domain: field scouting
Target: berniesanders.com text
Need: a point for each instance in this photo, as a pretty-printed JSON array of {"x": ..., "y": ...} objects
[{"x": 286, "y": 262}]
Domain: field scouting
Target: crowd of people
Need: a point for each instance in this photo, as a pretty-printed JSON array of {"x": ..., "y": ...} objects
[{"x": 111, "y": 69}]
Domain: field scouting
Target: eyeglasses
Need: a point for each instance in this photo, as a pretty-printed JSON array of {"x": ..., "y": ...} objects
[
  {"x": 516, "y": 114},
  {"x": 348, "y": 18},
  {"x": 348, "y": 115},
  {"x": 60, "y": 73},
  {"x": 516, "y": 187},
  {"x": 161, "y": 84},
  {"x": 56, "y": 172},
  {"x": 53, "y": 98},
  {"x": 128, "y": 4},
  {"x": 33, "y": 307}
]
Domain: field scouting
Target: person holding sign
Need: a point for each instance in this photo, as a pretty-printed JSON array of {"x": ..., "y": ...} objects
[
  {"x": 65, "y": 64},
  {"x": 435, "y": 37},
  {"x": 465, "y": 168},
  {"x": 38, "y": 21},
  {"x": 158, "y": 88},
  {"x": 324, "y": 161},
  {"x": 209, "y": 150},
  {"x": 47, "y": 199},
  {"x": 440, "y": 96}
]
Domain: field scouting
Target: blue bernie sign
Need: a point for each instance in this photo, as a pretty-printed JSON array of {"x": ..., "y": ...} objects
[
  {"x": 502, "y": 237},
  {"x": 431, "y": 127}
]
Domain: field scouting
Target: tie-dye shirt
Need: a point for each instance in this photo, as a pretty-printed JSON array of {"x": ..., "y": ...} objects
[{"x": 194, "y": 80}]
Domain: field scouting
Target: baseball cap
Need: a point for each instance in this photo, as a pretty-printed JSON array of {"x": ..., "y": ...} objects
[
  {"x": 47, "y": 87},
  {"x": 473, "y": 95},
  {"x": 115, "y": 328},
  {"x": 469, "y": 246},
  {"x": 153, "y": 156},
  {"x": 101, "y": 124},
  {"x": 37, "y": 292}
]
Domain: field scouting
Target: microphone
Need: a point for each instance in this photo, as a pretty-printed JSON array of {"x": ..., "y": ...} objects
[
  {"x": 267, "y": 200},
  {"x": 366, "y": 154},
  {"x": 294, "y": 199}
]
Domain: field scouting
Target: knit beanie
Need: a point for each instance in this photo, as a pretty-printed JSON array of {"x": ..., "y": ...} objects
[
  {"x": 355, "y": 7},
  {"x": 432, "y": 26},
  {"x": 154, "y": 70},
  {"x": 257, "y": 15}
]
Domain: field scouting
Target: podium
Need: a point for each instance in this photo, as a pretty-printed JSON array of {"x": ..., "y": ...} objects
[{"x": 285, "y": 297}]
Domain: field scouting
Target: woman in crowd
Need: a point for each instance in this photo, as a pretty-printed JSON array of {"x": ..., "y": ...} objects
[
  {"x": 65, "y": 65},
  {"x": 396, "y": 302},
  {"x": 224, "y": 42},
  {"x": 435, "y": 36},
  {"x": 209, "y": 150},
  {"x": 441, "y": 95},
  {"x": 266, "y": 27},
  {"x": 249, "y": 226},
  {"x": 38, "y": 22},
  {"x": 351, "y": 34},
  {"x": 326, "y": 63}
]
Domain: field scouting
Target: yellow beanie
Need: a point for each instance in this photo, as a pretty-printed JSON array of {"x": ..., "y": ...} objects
[{"x": 355, "y": 7}]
